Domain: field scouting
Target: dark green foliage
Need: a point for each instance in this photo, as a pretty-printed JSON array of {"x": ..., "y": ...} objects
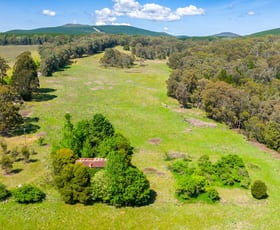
[
  {"x": 4, "y": 192},
  {"x": 259, "y": 190},
  {"x": 130, "y": 189},
  {"x": 213, "y": 194},
  {"x": 9, "y": 110},
  {"x": 28, "y": 194},
  {"x": 115, "y": 58},
  {"x": 25, "y": 79}
]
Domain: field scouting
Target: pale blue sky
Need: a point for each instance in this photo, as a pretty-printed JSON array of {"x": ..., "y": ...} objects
[{"x": 187, "y": 17}]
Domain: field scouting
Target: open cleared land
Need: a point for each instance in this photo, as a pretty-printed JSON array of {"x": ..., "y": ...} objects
[
  {"x": 11, "y": 52},
  {"x": 135, "y": 101}
]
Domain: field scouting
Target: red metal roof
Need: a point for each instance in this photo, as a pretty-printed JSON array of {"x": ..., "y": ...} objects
[{"x": 92, "y": 162}]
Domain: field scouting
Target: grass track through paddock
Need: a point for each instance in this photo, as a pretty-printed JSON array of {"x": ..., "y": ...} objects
[{"x": 135, "y": 102}]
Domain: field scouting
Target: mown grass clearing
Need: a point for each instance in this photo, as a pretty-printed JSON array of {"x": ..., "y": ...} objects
[{"x": 135, "y": 102}]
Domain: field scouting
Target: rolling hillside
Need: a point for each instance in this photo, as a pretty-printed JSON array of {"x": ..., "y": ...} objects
[
  {"x": 267, "y": 32},
  {"x": 77, "y": 29}
]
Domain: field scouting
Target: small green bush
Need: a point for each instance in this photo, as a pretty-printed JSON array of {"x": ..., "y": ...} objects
[
  {"x": 259, "y": 190},
  {"x": 4, "y": 193},
  {"x": 41, "y": 141},
  {"x": 213, "y": 194},
  {"x": 28, "y": 194}
]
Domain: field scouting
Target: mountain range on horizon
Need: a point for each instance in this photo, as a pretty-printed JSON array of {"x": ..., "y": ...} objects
[{"x": 79, "y": 29}]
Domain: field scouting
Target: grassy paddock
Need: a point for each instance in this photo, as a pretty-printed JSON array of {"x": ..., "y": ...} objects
[
  {"x": 11, "y": 52},
  {"x": 135, "y": 101}
]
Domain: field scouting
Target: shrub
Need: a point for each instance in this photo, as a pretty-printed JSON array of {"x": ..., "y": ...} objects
[
  {"x": 213, "y": 194},
  {"x": 100, "y": 187},
  {"x": 259, "y": 190},
  {"x": 28, "y": 194},
  {"x": 6, "y": 164},
  {"x": 25, "y": 153},
  {"x": 191, "y": 186},
  {"x": 4, "y": 193}
]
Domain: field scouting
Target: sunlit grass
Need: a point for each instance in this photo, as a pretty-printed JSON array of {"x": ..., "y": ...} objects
[{"x": 135, "y": 101}]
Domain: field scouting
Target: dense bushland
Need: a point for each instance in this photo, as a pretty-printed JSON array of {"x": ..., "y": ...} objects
[{"x": 236, "y": 81}]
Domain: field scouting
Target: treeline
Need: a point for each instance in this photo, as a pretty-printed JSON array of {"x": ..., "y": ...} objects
[
  {"x": 236, "y": 81},
  {"x": 32, "y": 39},
  {"x": 23, "y": 83},
  {"x": 57, "y": 55}
]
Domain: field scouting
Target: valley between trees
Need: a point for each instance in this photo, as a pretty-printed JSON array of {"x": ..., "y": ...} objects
[{"x": 135, "y": 101}]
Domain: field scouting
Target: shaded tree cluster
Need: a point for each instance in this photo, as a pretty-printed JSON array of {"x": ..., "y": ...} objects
[
  {"x": 25, "y": 79},
  {"x": 119, "y": 184},
  {"x": 115, "y": 58},
  {"x": 10, "y": 103}
]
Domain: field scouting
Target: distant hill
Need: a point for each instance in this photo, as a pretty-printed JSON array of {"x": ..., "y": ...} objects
[
  {"x": 77, "y": 29},
  {"x": 226, "y": 34},
  {"x": 267, "y": 32}
]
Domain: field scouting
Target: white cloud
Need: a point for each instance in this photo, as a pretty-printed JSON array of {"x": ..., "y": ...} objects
[
  {"x": 189, "y": 11},
  {"x": 154, "y": 12},
  {"x": 49, "y": 12},
  {"x": 125, "y": 6},
  {"x": 251, "y": 13},
  {"x": 149, "y": 11},
  {"x": 120, "y": 24},
  {"x": 105, "y": 16},
  {"x": 165, "y": 28}
]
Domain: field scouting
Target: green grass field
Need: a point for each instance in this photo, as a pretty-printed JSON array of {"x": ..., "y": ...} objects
[{"x": 135, "y": 101}]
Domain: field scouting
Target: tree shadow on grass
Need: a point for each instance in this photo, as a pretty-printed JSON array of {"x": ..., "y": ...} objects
[
  {"x": 42, "y": 94},
  {"x": 33, "y": 160},
  {"x": 27, "y": 127},
  {"x": 16, "y": 171},
  {"x": 153, "y": 196}
]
